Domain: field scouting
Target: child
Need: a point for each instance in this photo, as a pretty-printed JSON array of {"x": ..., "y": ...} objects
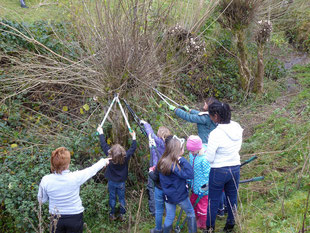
[
  {"x": 157, "y": 147},
  {"x": 62, "y": 190},
  {"x": 199, "y": 184},
  {"x": 204, "y": 123},
  {"x": 174, "y": 170},
  {"x": 117, "y": 171}
]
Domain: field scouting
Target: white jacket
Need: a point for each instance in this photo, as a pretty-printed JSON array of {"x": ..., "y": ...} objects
[
  {"x": 63, "y": 190},
  {"x": 224, "y": 145}
]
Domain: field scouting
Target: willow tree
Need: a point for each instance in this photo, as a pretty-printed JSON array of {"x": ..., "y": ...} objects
[
  {"x": 120, "y": 47},
  {"x": 240, "y": 16}
]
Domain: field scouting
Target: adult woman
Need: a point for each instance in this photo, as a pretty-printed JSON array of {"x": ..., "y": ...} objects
[
  {"x": 223, "y": 154},
  {"x": 62, "y": 188}
]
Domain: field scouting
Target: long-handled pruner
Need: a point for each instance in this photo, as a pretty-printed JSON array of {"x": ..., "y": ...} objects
[
  {"x": 259, "y": 178},
  {"x": 248, "y": 161},
  {"x": 109, "y": 109},
  {"x": 165, "y": 98},
  {"x": 135, "y": 117},
  {"x": 124, "y": 115},
  {"x": 116, "y": 99}
]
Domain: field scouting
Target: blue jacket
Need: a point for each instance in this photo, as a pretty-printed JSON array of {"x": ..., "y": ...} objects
[
  {"x": 201, "y": 168},
  {"x": 174, "y": 185},
  {"x": 157, "y": 152},
  {"x": 204, "y": 123}
]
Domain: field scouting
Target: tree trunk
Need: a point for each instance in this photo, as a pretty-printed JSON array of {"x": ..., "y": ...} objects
[
  {"x": 259, "y": 78},
  {"x": 244, "y": 71}
]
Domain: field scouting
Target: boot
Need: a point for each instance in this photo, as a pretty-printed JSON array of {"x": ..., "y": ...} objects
[
  {"x": 156, "y": 231},
  {"x": 167, "y": 229},
  {"x": 228, "y": 227},
  {"x": 22, "y": 4},
  {"x": 209, "y": 229},
  {"x": 191, "y": 224}
]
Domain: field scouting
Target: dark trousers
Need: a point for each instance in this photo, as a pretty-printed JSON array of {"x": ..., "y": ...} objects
[
  {"x": 68, "y": 223},
  {"x": 151, "y": 195}
]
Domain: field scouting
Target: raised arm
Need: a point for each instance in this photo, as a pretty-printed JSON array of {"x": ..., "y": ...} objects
[
  {"x": 85, "y": 174},
  {"x": 133, "y": 146},
  {"x": 194, "y": 112},
  {"x": 193, "y": 118},
  {"x": 104, "y": 145}
]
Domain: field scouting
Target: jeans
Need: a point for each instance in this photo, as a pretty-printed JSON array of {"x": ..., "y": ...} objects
[
  {"x": 222, "y": 203},
  {"x": 159, "y": 208},
  {"x": 227, "y": 179},
  {"x": 170, "y": 208},
  {"x": 117, "y": 188},
  {"x": 150, "y": 191}
]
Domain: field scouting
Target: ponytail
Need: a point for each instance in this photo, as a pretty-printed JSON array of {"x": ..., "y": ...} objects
[{"x": 222, "y": 110}]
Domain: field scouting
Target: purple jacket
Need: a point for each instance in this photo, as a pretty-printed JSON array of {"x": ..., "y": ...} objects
[{"x": 157, "y": 152}]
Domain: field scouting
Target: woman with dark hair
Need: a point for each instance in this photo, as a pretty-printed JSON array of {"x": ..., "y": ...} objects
[{"x": 222, "y": 152}]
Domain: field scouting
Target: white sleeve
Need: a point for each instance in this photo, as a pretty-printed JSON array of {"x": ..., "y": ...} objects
[
  {"x": 213, "y": 144},
  {"x": 42, "y": 195},
  {"x": 85, "y": 174}
]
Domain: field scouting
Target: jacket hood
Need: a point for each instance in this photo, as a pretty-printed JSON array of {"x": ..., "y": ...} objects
[{"x": 233, "y": 130}]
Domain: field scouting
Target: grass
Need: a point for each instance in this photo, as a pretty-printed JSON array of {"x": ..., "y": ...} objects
[{"x": 10, "y": 9}]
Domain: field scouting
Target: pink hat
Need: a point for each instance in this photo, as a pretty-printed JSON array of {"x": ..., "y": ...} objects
[{"x": 194, "y": 143}]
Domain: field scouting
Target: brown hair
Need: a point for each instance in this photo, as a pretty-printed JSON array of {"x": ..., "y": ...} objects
[
  {"x": 170, "y": 157},
  {"x": 163, "y": 132},
  {"x": 60, "y": 159},
  {"x": 118, "y": 154}
]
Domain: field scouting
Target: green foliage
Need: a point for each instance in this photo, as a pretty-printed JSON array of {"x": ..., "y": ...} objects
[
  {"x": 12, "y": 37},
  {"x": 274, "y": 69}
]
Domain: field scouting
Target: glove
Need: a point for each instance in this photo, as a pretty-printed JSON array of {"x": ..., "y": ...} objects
[
  {"x": 186, "y": 108},
  {"x": 142, "y": 122},
  {"x": 133, "y": 135},
  {"x": 100, "y": 130},
  {"x": 151, "y": 141},
  {"x": 172, "y": 108}
]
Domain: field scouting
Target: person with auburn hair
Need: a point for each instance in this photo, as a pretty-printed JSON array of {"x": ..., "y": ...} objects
[
  {"x": 117, "y": 171},
  {"x": 223, "y": 154},
  {"x": 174, "y": 170},
  {"x": 157, "y": 147},
  {"x": 62, "y": 188}
]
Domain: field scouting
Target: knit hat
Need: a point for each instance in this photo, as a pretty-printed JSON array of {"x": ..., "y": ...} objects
[{"x": 194, "y": 143}]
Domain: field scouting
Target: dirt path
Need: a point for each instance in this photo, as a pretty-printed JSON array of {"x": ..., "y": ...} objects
[{"x": 249, "y": 118}]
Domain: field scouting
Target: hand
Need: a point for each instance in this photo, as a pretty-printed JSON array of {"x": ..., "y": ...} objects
[
  {"x": 151, "y": 169},
  {"x": 186, "y": 108},
  {"x": 107, "y": 161},
  {"x": 133, "y": 135},
  {"x": 142, "y": 122},
  {"x": 172, "y": 108},
  {"x": 99, "y": 130}
]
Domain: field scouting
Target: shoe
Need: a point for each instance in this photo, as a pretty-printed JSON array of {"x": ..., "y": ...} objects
[
  {"x": 122, "y": 217},
  {"x": 22, "y": 4},
  {"x": 228, "y": 227},
  {"x": 112, "y": 217},
  {"x": 209, "y": 230},
  {"x": 220, "y": 213},
  {"x": 167, "y": 229},
  {"x": 156, "y": 231}
]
